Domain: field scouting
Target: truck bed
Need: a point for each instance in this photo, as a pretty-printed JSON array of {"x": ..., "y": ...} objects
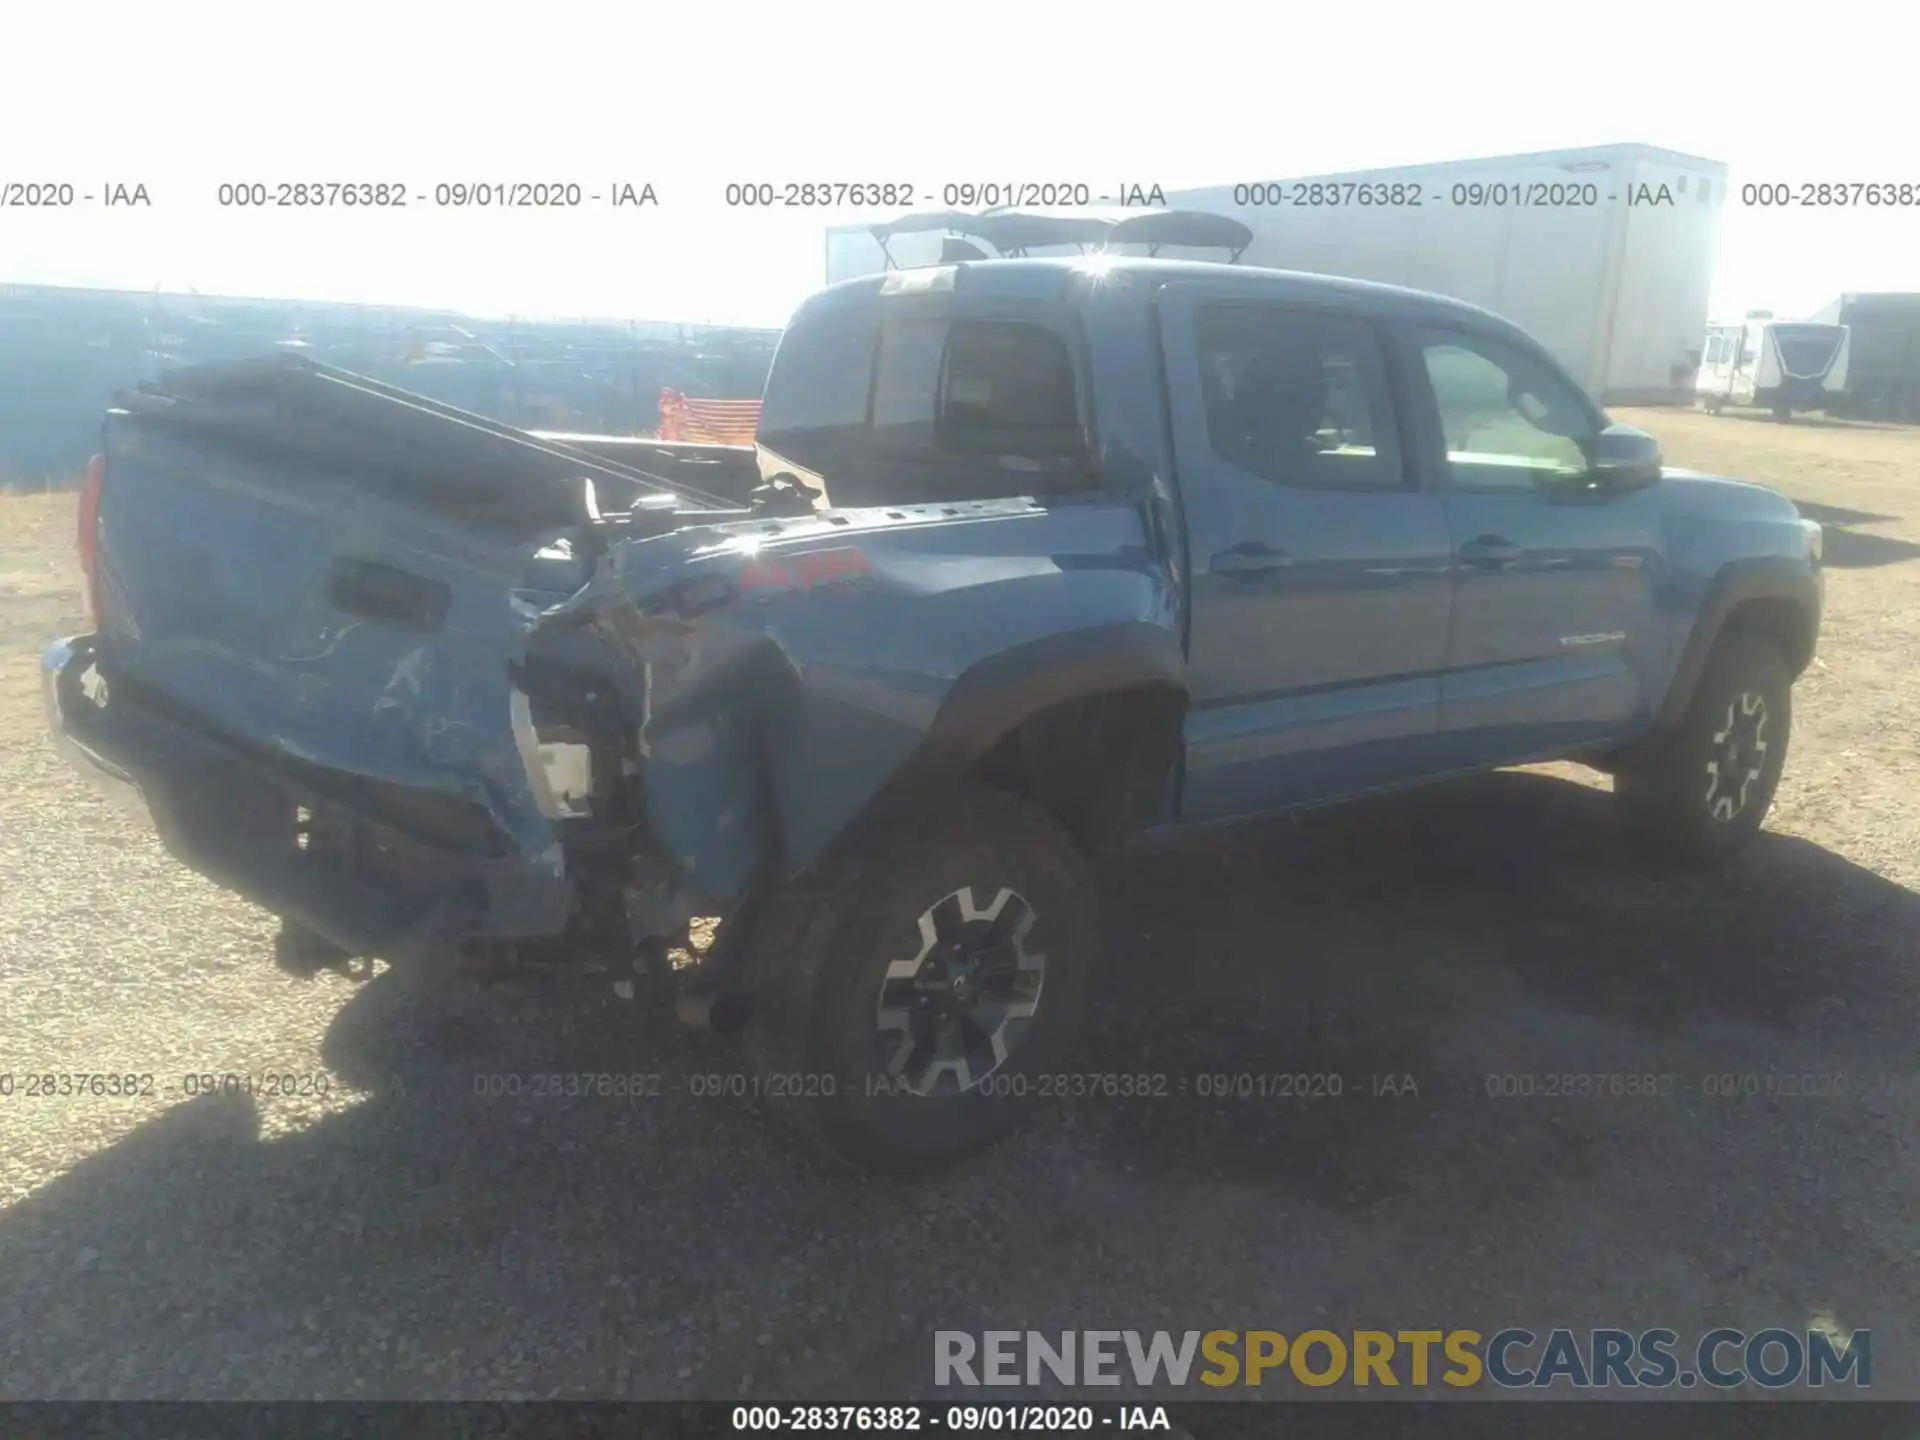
[{"x": 399, "y": 673}]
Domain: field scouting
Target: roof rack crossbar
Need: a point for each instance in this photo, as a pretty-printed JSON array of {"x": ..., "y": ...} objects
[{"x": 1014, "y": 232}]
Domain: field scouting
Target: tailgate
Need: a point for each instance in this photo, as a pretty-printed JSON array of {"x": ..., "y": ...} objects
[{"x": 323, "y": 571}]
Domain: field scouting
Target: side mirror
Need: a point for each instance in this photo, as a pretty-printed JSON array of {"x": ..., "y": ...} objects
[{"x": 1625, "y": 458}]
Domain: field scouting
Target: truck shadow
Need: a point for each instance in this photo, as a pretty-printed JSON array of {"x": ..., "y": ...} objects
[
  {"x": 1806, "y": 421},
  {"x": 1839, "y": 514},
  {"x": 1415, "y": 950},
  {"x": 641, "y": 1245},
  {"x": 1855, "y": 550},
  {"x": 1850, "y": 549}
]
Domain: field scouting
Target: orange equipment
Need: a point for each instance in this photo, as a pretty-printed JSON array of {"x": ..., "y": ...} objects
[{"x": 713, "y": 422}]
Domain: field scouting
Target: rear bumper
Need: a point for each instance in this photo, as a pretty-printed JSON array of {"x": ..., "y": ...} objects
[
  {"x": 64, "y": 668},
  {"x": 229, "y": 812},
  {"x": 1798, "y": 393}
]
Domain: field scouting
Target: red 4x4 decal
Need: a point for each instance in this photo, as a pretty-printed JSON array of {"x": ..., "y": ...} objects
[{"x": 767, "y": 578}]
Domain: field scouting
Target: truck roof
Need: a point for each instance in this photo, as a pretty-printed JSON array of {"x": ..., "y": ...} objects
[{"x": 1048, "y": 277}]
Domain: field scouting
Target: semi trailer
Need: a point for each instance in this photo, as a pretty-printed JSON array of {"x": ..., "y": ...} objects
[{"x": 1883, "y": 360}]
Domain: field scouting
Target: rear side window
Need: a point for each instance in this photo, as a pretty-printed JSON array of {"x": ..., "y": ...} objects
[
  {"x": 906, "y": 384},
  {"x": 1009, "y": 390},
  {"x": 968, "y": 410},
  {"x": 975, "y": 387},
  {"x": 883, "y": 406},
  {"x": 1298, "y": 398}
]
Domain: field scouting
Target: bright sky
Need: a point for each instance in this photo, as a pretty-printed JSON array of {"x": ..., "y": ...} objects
[{"x": 183, "y": 96}]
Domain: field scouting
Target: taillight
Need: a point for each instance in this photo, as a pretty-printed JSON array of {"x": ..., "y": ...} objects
[{"x": 89, "y": 532}]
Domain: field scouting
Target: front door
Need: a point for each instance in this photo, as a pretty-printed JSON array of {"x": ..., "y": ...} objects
[
  {"x": 1554, "y": 640},
  {"x": 1319, "y": 565}
]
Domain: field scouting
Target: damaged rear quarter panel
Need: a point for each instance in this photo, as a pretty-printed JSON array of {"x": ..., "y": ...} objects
[{"x": 781, "y": 672}]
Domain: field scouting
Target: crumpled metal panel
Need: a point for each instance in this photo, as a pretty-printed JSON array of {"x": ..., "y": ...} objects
[{"x": 781, "y": 672}]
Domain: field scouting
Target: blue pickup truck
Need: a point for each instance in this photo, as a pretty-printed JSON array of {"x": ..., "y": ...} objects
[{"x": 1035, "y": 562}]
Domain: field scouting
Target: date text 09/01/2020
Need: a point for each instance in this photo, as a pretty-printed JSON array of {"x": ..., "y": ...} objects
[
  {"x": 1297, "y": 1086},
  {"x": 951, "y": 1420},
  {"x": 129, "y": 1085},
  {"x": 444, "y": 194}
]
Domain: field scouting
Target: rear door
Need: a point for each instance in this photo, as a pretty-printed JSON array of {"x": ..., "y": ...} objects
[
  {"x": 1748, "y": 358},
  {"x": 1554, "y": 639},
  {"x": 1319, "y": 563},
  {"x": 1715, "y": 378}
]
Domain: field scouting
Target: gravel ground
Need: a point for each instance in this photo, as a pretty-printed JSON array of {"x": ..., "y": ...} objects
[{"x": 400, "y": 1237}]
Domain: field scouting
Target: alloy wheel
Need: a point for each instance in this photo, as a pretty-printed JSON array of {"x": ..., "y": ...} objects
[
  {"x": 952, "y": 1013},
  {"x": 1738, "y": 757}
]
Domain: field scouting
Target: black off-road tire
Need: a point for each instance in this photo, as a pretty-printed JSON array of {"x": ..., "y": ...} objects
[
  {"x": 820, "y": 955},
  {"x": 1683, "y": 805}
]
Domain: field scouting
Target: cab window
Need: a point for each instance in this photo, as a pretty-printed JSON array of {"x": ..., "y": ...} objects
[
  {"x": 1297, "y": 397},
  {"x": 968, "y": 410},
  {"x": 906, "y": 408},
  {"x": 813, "y": 419},
  {"x": 1509, "y": 422}
]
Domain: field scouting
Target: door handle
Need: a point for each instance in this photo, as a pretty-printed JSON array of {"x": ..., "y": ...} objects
[
  {"x": 1490, "y": 552},
  {"x": 1249, "y": 557}
]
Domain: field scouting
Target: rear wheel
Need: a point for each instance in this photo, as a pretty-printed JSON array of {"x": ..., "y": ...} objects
[
  {"x": 910, "y": 997},
  {"x": 1696, "y": 795}
]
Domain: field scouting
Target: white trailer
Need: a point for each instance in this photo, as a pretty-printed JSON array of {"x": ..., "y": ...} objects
[
  {"x": 1604, "y": 254},
  {"x": 1782, "y": 366}
]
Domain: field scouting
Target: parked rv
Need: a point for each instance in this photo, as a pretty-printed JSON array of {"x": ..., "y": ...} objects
[{"x": 1782, "y": 366}]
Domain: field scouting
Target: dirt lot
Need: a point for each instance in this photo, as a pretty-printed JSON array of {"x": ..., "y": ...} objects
[{"x": 399, "y": 1237}]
